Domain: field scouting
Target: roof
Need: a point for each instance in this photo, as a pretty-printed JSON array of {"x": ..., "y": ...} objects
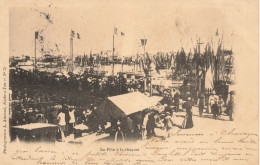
[
  {"x": 117, "y": 107},
  {"x": 133, "y": 102}
]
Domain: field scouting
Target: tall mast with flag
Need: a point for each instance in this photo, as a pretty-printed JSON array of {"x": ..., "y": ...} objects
[
  {"x": 143, "y": 43},
  {"x": 35, "y": 38},
  {"x": 70, "y": 64},
  {"x": 113, "y": 52},
  {"x": 72, "y": 35},
  {"x": 113, "y": 55}
]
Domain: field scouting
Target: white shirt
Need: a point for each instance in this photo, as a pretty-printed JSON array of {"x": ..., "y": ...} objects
[
  {"x": 72, "y": 116},
  {"x": 61, "y": 118}
]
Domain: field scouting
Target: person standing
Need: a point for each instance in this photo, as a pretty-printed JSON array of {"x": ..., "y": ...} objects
[
  {"x": 168, "y": 123},
  {"x": 194, "y": 94},
  {"x": 187, "y": 122},
  {"x": 119, "y": 135},
  {"x": 150, "y": 125},
  {"x": 144, "y": 129},
  {"x": 230, "y": 107},
  {"x": 62, "y": 124},
  {"x": 72, "y": 119},
  {"x": 176, "y": 101},
  {"x": 67, "y": 119},
  {"x": 214, "y": 109},
  {"x": 220, "y": 104},
  {"x": 201, "y": 105}
]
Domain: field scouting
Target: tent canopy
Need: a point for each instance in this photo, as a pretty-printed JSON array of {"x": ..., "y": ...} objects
[
  {"x": 126, "y": 104},
  {"x": 133, "y": 102}
]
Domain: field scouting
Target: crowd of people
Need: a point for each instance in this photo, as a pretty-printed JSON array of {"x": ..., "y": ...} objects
[
  {"x": 39, "y": 97},
  {"x": 71, "y": 102},
  {"x": 93, "y": 84},
  {"x": 156, "y": 121}
]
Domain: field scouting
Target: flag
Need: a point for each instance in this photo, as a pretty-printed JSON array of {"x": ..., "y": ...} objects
[
  {"x": 36, "y": 35},
  {"x": 122, "y": 34},
  {"x": 143, "y": 42},
  {"x": 115, "y": 31},
  {"x": 78, "y": 36},
  {"x": 217, "y": 32},
  {"x": 72, "y": 34},
  {"x": 209, "y": 79},
  {"x": 41, "y": 37}
]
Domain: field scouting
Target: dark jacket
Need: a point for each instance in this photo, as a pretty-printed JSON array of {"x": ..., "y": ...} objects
[{"x": 201, "y": 102}]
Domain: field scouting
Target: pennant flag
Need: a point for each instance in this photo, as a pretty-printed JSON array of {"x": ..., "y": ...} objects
[
  {"x": 41, "y": 37},
  {"x": 78, "y": 36},
  {"x": 115, "y": 31},
  {"x": 72, "y": 34},
  {"x": 143, "y": 42},
  {"x": 122, "y": 34},
  {"x": 36, "y": 35},
  {"x": 217, "y": 32}
]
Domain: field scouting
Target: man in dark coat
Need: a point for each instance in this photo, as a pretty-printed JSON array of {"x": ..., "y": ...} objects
[
  {"x": 188, "y": 122},
  {"x": 150, "y": 125},
  {"x": 201, "y": 105},
  {"x": 67, "y": 118},
  {"x": 214, "y": 109},
  {"x": 176, "y": 99}
]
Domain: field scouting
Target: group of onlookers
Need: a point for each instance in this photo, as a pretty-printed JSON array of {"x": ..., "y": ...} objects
[
  {"x": 71, "y": 101},
  {"x": 217, "y": 106},
  {"x": 95, "y": 85}
]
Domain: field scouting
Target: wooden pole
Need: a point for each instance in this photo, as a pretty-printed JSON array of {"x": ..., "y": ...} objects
[
  {"x": 113, "y": 55},
  {"x": 35, "y": 51},
  {"x": 150, "y": 82}
]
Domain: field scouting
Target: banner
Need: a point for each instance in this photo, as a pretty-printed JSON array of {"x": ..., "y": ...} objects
[{"x": 143, "y": 42}]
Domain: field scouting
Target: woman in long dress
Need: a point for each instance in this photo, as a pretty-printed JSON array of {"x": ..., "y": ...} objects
[{"x": 187, "y": 122}]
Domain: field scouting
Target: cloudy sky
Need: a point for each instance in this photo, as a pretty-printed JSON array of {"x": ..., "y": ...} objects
[{"x": 168, "y": 27}]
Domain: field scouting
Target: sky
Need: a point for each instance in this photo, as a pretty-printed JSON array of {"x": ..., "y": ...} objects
[{"x": 167, "y": 27}]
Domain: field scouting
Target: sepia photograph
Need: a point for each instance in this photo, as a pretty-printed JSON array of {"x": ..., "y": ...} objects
[{"x": 137, "y": 82}]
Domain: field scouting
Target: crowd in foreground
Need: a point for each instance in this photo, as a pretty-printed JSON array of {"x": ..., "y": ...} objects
[{"x": 73, "y": 108}]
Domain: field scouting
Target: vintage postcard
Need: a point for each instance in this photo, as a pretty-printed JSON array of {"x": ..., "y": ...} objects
[{"x": 139, "y": 82}]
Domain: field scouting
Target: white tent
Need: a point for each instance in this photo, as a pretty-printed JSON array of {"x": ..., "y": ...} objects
[
  {"x": 122, "y": 105},
  {"x": 133, "y": 102}
]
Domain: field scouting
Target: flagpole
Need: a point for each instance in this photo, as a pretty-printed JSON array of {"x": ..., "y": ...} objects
[
  {"x": 113, "y": 56},
  {"x": 144, "y": 48},
  {"x": 144, "y": 60},
  {"x": 35, "y": 51},
  {"x": 150, "y": 80},
  {"x": 72, "y": 51}
]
